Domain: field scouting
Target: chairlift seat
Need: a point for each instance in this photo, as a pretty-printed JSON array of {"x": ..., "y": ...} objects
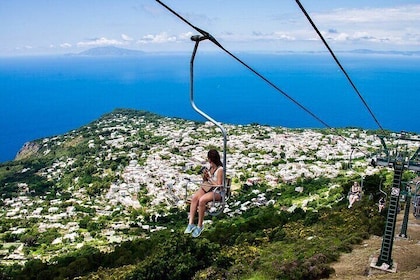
[{"x": 216, "y": 206}]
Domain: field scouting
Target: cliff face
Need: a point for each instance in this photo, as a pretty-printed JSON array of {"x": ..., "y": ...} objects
[{"x": 28, "y": 149}]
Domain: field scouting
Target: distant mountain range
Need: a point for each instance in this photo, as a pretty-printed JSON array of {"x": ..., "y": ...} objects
[
  {"x": 115, "y": 51},
  {"x": 110, "y": 51},
  {"x": 367, "y": 51}
]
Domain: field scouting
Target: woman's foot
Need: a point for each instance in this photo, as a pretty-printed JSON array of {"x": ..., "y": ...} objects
[
  {"x": 190, "y": 228},
  {"x": 197, "y": 231}
]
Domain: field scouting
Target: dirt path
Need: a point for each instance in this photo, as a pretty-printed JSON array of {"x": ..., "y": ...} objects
[{"x": 405, "y": 253}]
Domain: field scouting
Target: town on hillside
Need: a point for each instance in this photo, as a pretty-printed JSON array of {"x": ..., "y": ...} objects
[{"x": 129, "y": 162}]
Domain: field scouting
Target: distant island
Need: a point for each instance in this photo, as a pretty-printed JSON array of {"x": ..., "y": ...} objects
[
  {"x": 115, "y": 51},
  {"x": 110, "y": 51},
  {"x": 367, "y": 51}
]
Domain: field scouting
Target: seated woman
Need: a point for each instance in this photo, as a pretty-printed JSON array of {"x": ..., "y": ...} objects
[
  {"x": 212, "y": 178},
  {"x": 354, "y": 194},
  {"x": 381, "y": 204}
]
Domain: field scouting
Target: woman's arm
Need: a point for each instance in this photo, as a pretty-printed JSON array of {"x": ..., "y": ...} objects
[{"x": 219, "y": 177}]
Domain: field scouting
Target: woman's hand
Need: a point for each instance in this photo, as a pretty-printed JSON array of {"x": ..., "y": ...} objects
[{"x": 205, "y": 175}]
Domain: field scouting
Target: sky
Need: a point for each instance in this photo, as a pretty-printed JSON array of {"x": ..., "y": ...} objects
[{"x": 40, "y": 27}]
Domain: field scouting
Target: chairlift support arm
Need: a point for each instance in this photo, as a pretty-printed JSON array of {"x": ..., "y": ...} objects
[{"x": 198, "y": 39}]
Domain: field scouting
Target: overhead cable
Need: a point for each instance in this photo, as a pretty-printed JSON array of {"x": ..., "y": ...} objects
[{"x": 338, "y": 63}]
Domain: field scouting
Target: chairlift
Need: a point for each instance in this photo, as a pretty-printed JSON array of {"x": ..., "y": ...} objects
[
  {"x": 360, "y": 194},
  {"x": 217, "y": 205},
  {"x": 403, "y": 196},
  {"x": 382, "y": 200}
]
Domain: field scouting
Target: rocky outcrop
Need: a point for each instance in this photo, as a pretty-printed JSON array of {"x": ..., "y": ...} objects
[{"x": 28, "y": 149}]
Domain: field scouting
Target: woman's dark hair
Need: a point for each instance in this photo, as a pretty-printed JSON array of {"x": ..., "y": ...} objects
[{"x": 214, "y": 156}]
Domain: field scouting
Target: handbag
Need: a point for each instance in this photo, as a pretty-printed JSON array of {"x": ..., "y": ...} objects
[{"x": 206, "y": 186}]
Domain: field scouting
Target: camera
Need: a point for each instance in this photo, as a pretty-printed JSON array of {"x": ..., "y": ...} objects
[{"x": 203, "y": 169}]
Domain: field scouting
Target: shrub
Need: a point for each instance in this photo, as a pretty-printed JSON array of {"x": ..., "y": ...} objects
[
  {"x": 178, "y": 257},
  {"x": 310, "y": 269}
]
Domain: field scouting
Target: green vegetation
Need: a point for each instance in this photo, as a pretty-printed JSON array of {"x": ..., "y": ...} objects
[
  {"x": 266, "y": 242},
  {"x": 61, "y": 203}
]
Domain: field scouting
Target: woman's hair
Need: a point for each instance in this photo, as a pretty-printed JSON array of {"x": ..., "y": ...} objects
[{"x": 214, "y": 156}]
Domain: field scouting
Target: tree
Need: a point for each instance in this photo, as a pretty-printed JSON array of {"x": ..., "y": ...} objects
[{"x": 29, "y": 240}]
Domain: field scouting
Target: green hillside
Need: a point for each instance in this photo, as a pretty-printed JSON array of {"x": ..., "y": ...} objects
[{"x": 106, "y": 201}]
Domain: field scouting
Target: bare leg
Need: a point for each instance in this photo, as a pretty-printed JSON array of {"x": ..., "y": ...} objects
[
  {"x": 202, "y": 205},
  {"x": 194, "y": 203},
  {"x": 202, "y": 209},
  {"x": 351, "y": 200}
]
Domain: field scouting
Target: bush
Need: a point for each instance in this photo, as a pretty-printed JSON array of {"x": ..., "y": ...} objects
[
  {"x": 178, "y": 257},
  {"x": 311, "y": 269}
]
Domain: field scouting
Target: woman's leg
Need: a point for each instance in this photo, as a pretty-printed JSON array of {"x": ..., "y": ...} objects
[
  {"x": 351, "y": 200},
  {"x": 203, "y": 203},
  {"x": 194, "y": 203}
]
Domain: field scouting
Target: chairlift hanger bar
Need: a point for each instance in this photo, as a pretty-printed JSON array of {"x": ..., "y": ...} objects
[
  {"x": 197, "y": 39},
  {"x": 338, "y": 63}
]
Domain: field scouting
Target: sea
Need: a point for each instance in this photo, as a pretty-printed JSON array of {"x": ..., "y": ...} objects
[{"x": 44, "y": 96}]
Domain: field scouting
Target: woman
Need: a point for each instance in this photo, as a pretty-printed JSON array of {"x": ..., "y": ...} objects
[
  {"x": 381, "y": 204},
  {"x": 212, "y": 178},
  {"x": 354, "y": 194}
]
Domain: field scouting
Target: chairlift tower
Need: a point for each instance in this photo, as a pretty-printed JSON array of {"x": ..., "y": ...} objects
[
  {"x": 407, "y": 195},
  {"x": 399, "y": 160}
]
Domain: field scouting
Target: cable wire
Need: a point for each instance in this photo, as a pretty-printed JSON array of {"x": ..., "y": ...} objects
[{"x": 338, "y": 63}]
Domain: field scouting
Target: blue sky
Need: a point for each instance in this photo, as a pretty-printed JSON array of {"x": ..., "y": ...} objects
[{"x": 30, "y": 27}]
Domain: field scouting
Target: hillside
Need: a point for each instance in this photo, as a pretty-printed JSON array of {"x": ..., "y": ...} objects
[{"x": 117, "y": 186}]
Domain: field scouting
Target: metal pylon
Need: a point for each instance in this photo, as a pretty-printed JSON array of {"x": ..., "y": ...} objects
[
  {"x": 400, "y": 161},
  {"x": 388, "y": 237},
  {"x": 403, "y": 232}
]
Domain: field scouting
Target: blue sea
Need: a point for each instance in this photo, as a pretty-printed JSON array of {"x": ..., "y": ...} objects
[{"x": 46, "y": 96}]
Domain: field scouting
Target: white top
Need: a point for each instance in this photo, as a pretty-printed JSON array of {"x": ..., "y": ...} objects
[{"x": 213, "y": 177}]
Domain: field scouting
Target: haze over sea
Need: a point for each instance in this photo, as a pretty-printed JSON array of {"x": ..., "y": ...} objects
[{"x": 47, "y": 96}]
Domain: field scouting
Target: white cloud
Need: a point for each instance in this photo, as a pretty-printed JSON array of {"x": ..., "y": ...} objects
[
  {"x": 126, "y": 37},
  {"x": 393, "y": 26},
  {"x": 27, "y": 47},
  {"x": 99, "y": 42},
  {"x": 162, "y": 37},
  {"x": 65, "y": 45},
  {"x": 396, "y": 15},
  {"x": 274, "y": 36},
  {"x": 185, "y": 36},
  {"x": 283, "y": 36}
]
